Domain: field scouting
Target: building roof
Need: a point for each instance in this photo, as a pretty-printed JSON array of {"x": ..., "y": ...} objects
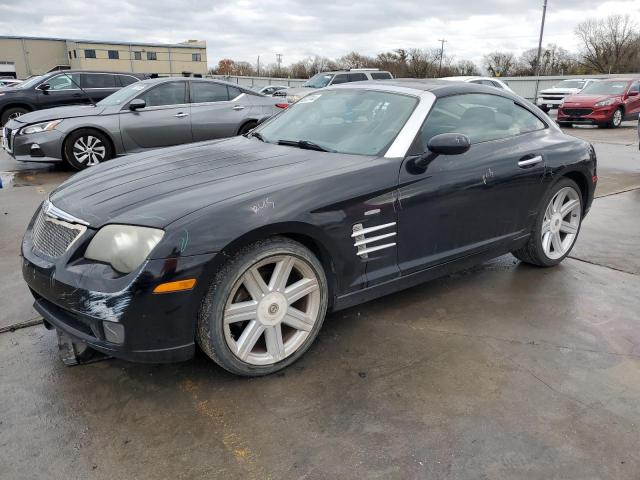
[{"x": 189, "y": 44}]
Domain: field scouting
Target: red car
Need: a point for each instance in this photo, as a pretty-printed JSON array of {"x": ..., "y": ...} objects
[{"x": 606, "y": 104}]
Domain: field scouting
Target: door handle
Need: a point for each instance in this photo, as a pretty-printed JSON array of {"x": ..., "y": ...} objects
[
  {"x": 238, "y": 107},
  {"x": 181, "y": 114},
  {"x": 529, "y": 162}
]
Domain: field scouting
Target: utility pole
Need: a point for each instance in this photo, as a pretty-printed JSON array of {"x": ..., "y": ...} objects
[
  {"x": 279, "y": 60},
  {"x": 442, "y": 42},
  {"x": 258, "y": 65},
  {"x": 544, "y": 14}
]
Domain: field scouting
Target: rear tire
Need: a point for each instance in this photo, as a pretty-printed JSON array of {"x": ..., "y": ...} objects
[
  {"x": 264, "y": 308},
  {"x": 11, "y": 113},
  {"x": 86, "y": 147},
  {"x": 557, "y": 226}
]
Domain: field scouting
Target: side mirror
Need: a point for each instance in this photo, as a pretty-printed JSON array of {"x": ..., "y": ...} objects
[
  {"x": 632, "y": 93},
  {"x": 137, "y": 104},
  {"x": 449, "y": 144},
  {"x": 45, "y": 87},
  {"x": 443, "y": 144}
]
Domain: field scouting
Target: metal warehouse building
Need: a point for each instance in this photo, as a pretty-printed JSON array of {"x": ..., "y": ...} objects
[{"x": 22, "y": 57}]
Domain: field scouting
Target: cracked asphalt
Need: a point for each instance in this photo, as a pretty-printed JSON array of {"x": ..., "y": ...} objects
[{"x": 502, "y": 371}]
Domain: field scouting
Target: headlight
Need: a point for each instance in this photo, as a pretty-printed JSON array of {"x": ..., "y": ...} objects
[
  {"x": 604, "y": 103},
  {"x": 124, "y": 247},
  {"x": 40, "y": 127}
]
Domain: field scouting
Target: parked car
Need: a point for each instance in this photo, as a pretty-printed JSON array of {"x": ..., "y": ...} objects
[
  {"x": 489, "y": 81},
  {"x": 145, "y": 115},
  {"x": 325, "y": 79},
  {"x": 270, "y": 90},
  {"x": 61, "y": 88},
  {"x": 357, "y": 191},
  {"x": 551, "y": 98},
  {"x": 606, "y": 104},
  {"x": 9, "y": 82}
]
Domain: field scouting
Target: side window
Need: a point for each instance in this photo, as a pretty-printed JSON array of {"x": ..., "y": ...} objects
[
  {"x": 481, "y": 117},
  {"x": 127, "y": 80},
  {"x": 380, "y": 75},
  {"x": 341, "y": 78},
  {"x": 233, "y": 92},
  {"x": 356, "y": 77},
  {"x": 635, "y": 87},
  {"x": 64, "y": 82},
  {"x": 98, "y": 80},
  {"x": 208, "y": 92},
  {"x": 171, "y": 93}
]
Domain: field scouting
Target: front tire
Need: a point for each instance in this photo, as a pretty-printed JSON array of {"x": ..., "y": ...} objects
[
  {"x": 247, "y": 127},
  {"x": 616, "y": 118},
  {"x": 556, "y": 228},
  {"x": 86, "y": 147},
  {"x": 11, "y": 113},
  {"x": 264, "y": 308}
]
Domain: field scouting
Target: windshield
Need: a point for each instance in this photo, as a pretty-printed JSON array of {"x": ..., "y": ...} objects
[
  {"x": 610, "y": 87},
  {"x": 320, "y": 80},
  {"x": 360, "y": 122},
  {"x": 570, "y": 84},
  {"x": 123, "y": 95},
  {"x": 30, "y": 82}
]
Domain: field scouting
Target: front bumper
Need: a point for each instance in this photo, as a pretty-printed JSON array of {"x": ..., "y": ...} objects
[
  {"x": 548, "y": 102},
  {"x": 75, "y": 298},
  {"x": 35, "y": 147},
  {"x": 597, "y": 116}
]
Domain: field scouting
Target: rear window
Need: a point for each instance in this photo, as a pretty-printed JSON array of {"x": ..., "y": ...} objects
[
  {"x": 98, "y": 80},
  {"x": 380, "y": 75}
]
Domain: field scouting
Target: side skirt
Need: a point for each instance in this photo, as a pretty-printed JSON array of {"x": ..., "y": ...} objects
[{"x": 416, "y": 278}]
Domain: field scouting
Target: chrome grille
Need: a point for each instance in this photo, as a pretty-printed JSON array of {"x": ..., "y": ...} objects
[{"x": 54, "y": 237}]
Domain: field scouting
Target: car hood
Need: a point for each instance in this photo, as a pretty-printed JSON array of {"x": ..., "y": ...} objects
[
  {"x": 60, "y": 112},
  {"x": 157, "y": 188},
  {"x": 559, "y": 91},
  {"x": 588, "y": 100},
  {"x": 300, "y": 91}
]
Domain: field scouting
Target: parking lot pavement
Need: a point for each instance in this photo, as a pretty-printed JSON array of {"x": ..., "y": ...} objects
[{"x": 500, "y": 371}]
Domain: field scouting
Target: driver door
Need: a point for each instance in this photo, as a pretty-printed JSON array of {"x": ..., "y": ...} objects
[
  {"x": 465, "y": 204},
  {"x": 63, "y": 90},
  {"x": 164, "y": 121}
]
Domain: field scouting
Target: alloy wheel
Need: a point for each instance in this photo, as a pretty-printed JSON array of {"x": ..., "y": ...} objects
[
  {"x": 89, "y": 150},
  {"x": 272, "y": 309},
  {"x": 15, "y": 115},
  {"x": 561, "y": 223},
  {"x": 617, "y": 118}
]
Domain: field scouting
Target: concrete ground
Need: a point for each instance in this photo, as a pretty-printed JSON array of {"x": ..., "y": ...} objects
[{"x": 502, "y": 371}]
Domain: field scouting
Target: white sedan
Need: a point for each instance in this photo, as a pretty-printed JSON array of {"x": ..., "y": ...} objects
[{"x": 490, "y": 81}]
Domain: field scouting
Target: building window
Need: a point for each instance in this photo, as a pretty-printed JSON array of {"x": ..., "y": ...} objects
[
  {"x": 90, "y": 53},
  {"x": 196, "y": 57},
  {"x": 152, "y": 56},
  {"x": 75, "y": 53},
  {"x": 114, "y": 54},
  {"x": 69, "y": 55},
  {"x": 137, "y": 55}
]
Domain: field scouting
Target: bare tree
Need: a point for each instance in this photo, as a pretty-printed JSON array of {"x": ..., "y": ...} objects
[
  {"x": 355, "y": 60},
  {"x": 610, "y": 44},
  {"x": 466, "y": 68},
  {"x": 554, "y": 60},
  {"x": 499, "y": 64}
]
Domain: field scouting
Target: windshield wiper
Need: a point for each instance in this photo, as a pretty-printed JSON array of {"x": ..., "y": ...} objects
[
  {"x": 257, "y": 135},
  {"x": 305, "y": 145}
]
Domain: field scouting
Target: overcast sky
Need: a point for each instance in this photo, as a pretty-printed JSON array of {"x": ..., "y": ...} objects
[{"x": 244, "y": 29}]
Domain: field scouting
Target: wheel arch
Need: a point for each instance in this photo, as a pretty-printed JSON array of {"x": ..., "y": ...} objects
[
  {"x": 305, "y": 234},
  {"x": 245, "y": 123},
  {"x": 583, "y": 183},
  {"x": 92, "y": 127},
  {"x": 24, "y": 105}
]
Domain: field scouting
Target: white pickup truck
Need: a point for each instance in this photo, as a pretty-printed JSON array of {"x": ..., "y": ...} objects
[{"x": 550, "y": 98}]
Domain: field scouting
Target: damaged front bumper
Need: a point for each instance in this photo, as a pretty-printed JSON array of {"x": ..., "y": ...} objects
[{"x": 120, "y": 317}]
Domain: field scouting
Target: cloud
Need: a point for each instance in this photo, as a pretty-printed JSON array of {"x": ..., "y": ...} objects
[{"x": 244, "y": 29}]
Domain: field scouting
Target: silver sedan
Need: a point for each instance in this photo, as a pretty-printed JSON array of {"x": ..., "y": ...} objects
[{"x": 145, "y": 115}]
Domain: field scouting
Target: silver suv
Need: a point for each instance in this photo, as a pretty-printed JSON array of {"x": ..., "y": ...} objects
[{"x": 325, "y": 79}]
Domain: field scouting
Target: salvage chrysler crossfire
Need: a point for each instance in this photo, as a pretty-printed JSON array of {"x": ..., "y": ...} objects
[{"x": 243, "y": 245}]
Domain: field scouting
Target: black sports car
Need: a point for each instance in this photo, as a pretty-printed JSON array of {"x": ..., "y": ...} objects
[{"x": 242, "y": 245}]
